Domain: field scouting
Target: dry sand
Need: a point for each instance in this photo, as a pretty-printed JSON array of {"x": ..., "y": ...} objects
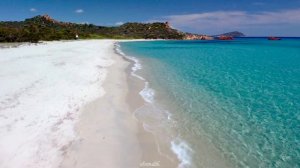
[{"x": 106, "y": 128}]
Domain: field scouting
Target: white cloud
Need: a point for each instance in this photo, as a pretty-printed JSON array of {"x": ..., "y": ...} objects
[
  {"x": 32, "y": 10},
  {"x": 79, "y": 11},
  {"x": 229, "y": 20},
  {"x": 119, "y": 23}
]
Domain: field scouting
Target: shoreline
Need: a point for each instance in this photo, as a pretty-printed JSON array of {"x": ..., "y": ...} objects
[
  {"x": 151, "y": 154},
  {"x": 112, "y": 117}
]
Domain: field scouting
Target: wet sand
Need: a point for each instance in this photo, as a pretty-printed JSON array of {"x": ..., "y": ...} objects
[{"x": 151, "y": 151}]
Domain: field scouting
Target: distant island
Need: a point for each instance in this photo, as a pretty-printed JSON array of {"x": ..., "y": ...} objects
[
  {"x": 43, "y": 27},
  {"x": 233, "y": 34}
]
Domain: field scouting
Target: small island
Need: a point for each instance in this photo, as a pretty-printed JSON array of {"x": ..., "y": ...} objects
[{"x": 233, "y": 34}]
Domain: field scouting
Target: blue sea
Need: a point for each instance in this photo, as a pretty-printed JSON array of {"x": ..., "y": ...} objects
[{"x": 229, "y": 103}]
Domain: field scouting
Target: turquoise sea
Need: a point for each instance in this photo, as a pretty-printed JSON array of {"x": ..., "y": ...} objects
[{"x": 234, "y": 101}]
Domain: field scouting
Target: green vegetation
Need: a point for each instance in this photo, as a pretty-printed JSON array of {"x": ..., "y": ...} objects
[{"x": 47, "y": 29}]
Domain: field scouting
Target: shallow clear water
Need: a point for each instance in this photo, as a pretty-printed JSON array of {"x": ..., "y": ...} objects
[{"x": 241, "y": 97}]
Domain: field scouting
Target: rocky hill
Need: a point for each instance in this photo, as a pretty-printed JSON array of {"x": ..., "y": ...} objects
[{"x": 46, "y": 28}]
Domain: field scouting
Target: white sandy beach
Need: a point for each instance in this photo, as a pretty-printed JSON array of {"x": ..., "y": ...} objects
[
  {"x": 43, "y": 88},
  {"x": 65, "y": 104}
]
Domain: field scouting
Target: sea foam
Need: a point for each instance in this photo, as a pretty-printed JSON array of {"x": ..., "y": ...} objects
[
  {"x": 183, "y": 152},
  {"x": 136, "y": 66},
  {"x": 147, "y": 93}
]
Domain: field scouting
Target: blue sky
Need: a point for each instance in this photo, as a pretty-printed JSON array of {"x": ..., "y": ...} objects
[{"x": 253, "y": 17}]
